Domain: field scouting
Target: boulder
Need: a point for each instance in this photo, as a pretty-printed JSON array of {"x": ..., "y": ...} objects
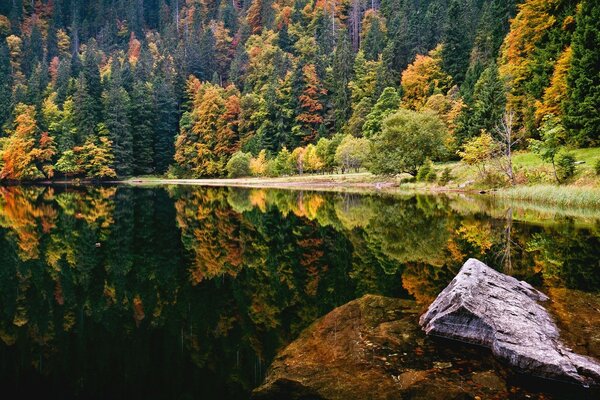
[
  {"x": 488, "y": 308},
  {"x": 373, "y": 348}
]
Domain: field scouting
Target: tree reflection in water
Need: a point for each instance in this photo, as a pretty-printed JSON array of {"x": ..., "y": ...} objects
[{"x": 187, "y": 291}]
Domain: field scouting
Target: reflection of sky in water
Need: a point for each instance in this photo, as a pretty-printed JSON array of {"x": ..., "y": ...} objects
[{"x": 191, "y": 291}]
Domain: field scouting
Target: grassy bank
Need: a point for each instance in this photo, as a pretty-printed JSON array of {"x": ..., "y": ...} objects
[{"x": 563, "y": 196}]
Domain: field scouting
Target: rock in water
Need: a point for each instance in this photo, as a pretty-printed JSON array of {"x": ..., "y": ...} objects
[{"x": 486, "y": 307}]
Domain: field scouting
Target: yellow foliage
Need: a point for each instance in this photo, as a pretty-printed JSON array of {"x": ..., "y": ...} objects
[
  {"x": 423, "y": 78},
  {"x": 556, "y": 92}
]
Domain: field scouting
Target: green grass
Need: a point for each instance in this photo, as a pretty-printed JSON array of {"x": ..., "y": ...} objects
[
  {"x": 531, "y": 160},
  {"x": 563, "y": 196}
]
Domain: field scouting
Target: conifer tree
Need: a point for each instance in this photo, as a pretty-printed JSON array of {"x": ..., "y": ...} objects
[
  {"x": 142, "y": 114},
  {"x": 116, "y": 105},
  {"x": 5, "y": 85},
  {"x": 84, "y": 111},
  {"x": 582, "y": 106},
  {"x": 343, "y": 59},
  {"x": 165, "y": 127},
  {"x": 456, "y": 43}
]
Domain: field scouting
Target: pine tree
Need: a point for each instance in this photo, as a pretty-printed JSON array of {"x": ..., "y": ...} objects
[
  {"x": 456, "y": 43},
  {"x": 388, "y": 102},
  {"x": 166, "y": 124},
  {"x": 142, "y": 114},
  {"x": 84, "y": 111},
  {"x": 116, "y": 105},
  {"x": 582, "y": 106},
  {"x": 5, "y": 85},
  {"x": 343, "y": 59},
  {"x": 374, "y": 40},
  {"x": 489, "y": 102}
]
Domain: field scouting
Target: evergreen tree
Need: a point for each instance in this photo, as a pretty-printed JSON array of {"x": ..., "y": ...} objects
[
  {"x": 84, "y": 111},
  {"x": 165, "y": 127},
  {"x": 388, "y": 102},
  {"x": 5, "y": 86},
  {"x": 582, "y": 106},
  {"x": 343, "y": 60},
  {"x": 456, "y": 43},
  {"x": 116, "y": 119},
  {"x": 141, "y": 115},
  {"x": 489, "y": 102}
]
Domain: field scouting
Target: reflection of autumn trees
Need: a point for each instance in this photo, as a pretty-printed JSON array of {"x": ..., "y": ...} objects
[
  {"x": 210, "y": 230},
  {"x": 225, "y": 277},
  {"x": 25, "y": 217}
]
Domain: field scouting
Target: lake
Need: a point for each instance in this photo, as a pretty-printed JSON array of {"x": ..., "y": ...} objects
[{"x": 189, "y": 292}]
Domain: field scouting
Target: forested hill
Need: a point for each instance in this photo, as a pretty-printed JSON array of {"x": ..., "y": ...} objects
[{"x": 116, "y": 87}]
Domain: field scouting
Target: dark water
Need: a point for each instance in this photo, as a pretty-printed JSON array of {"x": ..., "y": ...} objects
[{"x": 187, "y": 292}]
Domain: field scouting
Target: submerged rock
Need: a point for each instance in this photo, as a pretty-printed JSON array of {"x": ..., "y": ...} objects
[
  {"x": 485, "y": 307},
  {"x": 373, "y": 348}
]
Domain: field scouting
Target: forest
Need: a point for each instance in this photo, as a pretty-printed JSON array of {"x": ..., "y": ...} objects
[{"x": 109, "y": 89}]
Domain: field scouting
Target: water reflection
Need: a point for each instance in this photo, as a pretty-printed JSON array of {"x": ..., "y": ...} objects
[{"x": 186, "y": 292}]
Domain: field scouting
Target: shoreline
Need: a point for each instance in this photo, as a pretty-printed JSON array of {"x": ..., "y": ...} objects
[{"x": 365, "y": 183}]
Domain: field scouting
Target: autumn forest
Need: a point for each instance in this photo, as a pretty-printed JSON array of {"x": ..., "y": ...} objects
[{"x": 201, "y": 88}]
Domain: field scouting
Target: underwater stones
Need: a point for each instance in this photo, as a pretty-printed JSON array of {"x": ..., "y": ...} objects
[{"x": 485, "y": 307}]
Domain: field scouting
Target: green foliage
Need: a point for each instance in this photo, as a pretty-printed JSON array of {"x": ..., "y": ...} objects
[
  {"x": 238, "y": 165},
  {"x": 581, "y": 106},
  {"x": 488, "y": 105},
  {"x": 597, "y": 167},
  {"x": 445, "y": 177},
  {"x": 408, "y": 138},
  {"x": 352, "y": 153},
  {"x": 426, "y": 172},
  {"x": 551, "y": 143},
  {"x": 565, "y": 166},
  {"x": 478, "y": 152},
  {"x": 388, "y": 102}
]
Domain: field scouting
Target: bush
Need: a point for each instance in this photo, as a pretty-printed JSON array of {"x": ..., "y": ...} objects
[
  {"x": 426, "y": 173},
  {"x": 597, "y": 167},
  {"x": 238, "y": 165},
  {"x": 446, "y": 177},
  {"x": 565, "y": 166}
]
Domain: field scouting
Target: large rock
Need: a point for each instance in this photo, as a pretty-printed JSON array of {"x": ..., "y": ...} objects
[
  {"x": 485, "y": 307},
  {"x": 373, "y": 348}
]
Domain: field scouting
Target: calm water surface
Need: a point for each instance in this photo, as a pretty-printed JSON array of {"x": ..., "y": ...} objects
[{"x": 188, "y": 292}]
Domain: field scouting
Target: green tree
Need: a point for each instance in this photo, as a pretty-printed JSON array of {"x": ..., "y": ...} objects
[
  {"x": 341, "y": 71},
  {"x": 582, "y": 118},
  {"x": 553, "y": 136},
  {"x": 489, "y": 102},
  {"x": 388, "y": 102},
  {"x": 456, "y": 43},
  {"x": 142, "y": 114},
  {"x": 239, "y": 165},
  {"x": 352, "y": 153},
  {"x": 116, "y": 105},
  {"x": 407, "y": 139}
]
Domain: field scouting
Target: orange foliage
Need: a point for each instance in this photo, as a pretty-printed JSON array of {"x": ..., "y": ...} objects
[
  {"x": 556, "y": 92},
  {"x": 135, "y": 46},
  {"x": 26, "y": 219},
  {"x": 423, "y": 78},
  {"x": 310, "y": 103}
]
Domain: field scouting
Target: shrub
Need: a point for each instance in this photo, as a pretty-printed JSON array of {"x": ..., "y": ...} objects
[
  {"x": 238, "y": 165},
  {"x": 445, "y": 177},
  {"x": 426, "y": 173},
  {"x": 565, "y": 166},
  {"x": 597, "y": 167}
]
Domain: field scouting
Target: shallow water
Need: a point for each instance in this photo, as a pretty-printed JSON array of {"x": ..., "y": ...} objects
[{"x": 188, "y": 292}]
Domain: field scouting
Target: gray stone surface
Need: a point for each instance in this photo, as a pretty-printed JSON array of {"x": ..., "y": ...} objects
[{"x": 488, "y": 308}]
